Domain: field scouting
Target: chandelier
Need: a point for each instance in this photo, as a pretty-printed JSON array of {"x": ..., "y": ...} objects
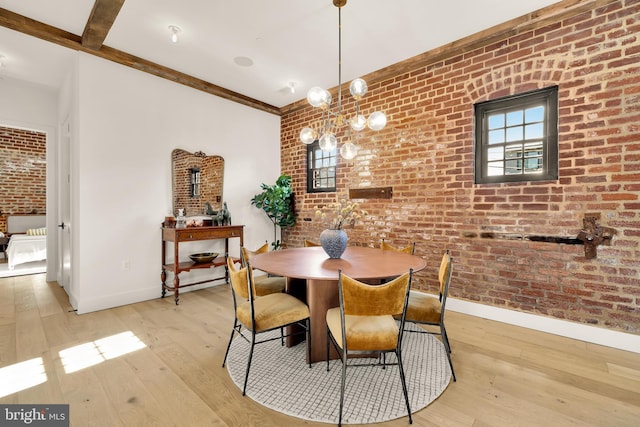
[{"x": 332, "y": 121}]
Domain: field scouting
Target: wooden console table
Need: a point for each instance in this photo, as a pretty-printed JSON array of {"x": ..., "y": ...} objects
[{"x": 192, "y": 234}]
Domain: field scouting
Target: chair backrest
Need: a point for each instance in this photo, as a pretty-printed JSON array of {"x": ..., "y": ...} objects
[
  {"x": 241, "y": 287},
  {"x": 239, "y": 279},
  {"x": 247, "y": 254},
  {"x": 409, "y": 249},
  {"x": 361, "y": 299},
  {"x": 444, "y": 276},
  {"x": 309, "y": 243}
]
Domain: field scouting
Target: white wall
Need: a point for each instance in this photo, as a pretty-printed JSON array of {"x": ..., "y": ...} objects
[
  {"x": 34, "y": 107},
  {"x": 128, "y": 123}
]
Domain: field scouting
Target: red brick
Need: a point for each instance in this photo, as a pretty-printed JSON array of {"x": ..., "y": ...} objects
[{"x": 592, "y": 57}]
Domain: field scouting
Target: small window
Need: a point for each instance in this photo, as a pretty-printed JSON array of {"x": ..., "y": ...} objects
[
  {"x": 517, "y": 138},
  {"x": 321, "y": 169}
]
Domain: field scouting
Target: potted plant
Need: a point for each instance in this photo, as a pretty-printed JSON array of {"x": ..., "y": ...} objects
[{"x": 277, "y": 202}]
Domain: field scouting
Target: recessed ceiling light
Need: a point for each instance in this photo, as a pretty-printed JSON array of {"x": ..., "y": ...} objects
[{"x": 243, "y": 61}]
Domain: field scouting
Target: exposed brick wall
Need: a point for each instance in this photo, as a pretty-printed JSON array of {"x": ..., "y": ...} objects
[
  {"x": 426, "y": 154},
  {"x": 23, "y": 167}
]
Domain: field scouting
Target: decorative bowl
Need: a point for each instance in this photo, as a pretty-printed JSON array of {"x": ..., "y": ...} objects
[{"x": 203, "y": 257}]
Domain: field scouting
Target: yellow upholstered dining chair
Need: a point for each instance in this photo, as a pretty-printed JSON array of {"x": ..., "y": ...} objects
[
  {"x": 409, "y": 249},
  {"x": 262, "y": 314},
  {"x": 264, "y": 284},
  {"x": 426, "y": 309},
  {"x": 310, "y": 243},
  {"x": 364, "y": 323}
]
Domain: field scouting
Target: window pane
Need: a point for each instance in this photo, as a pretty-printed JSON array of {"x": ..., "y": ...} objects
[
  {"x": 513, "y": 167},
  {"x": 495, "y": 169},
  {"x": 496, "y": 121},
  {"x": 496, "y": 136},
  {"x": 535, "y": 114},
  {"x": 533, "y": 165},
  {"x": 495, "y": 153},
  {"x": 514, "y": 133},
  {"x": 533, "y": 131},
  {"x": 533, "y": 149},
  {"x": 513, "y": 151},
  {"x": 514, "y": 118}
]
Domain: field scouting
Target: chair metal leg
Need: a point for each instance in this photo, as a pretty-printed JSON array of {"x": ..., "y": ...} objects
[
  {"x": 246, "y": 375},
  {"x": 328, "y": 349},
  {"x": 235, "y": 325},
  {"x": 344, "y": 379},
  {"x": 445, "y": 340},
  {"x": 445, "y": 337},
  {"x": 404, "y": 385}
]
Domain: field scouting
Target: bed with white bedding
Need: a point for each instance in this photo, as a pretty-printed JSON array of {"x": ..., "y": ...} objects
[
  {"x": 28, "y": 241},
  {"x": 24, "y": 248}
]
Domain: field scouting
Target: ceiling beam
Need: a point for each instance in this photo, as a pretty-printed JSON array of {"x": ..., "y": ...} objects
[
  {"x": 100, "y": 20},
  {"x": 69, "y": 40}
]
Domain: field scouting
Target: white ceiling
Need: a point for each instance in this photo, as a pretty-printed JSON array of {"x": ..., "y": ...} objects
[{"x": 289, "y": 41}]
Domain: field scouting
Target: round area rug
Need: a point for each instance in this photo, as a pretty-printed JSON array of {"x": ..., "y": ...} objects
[{"x": 281, "y": 379}]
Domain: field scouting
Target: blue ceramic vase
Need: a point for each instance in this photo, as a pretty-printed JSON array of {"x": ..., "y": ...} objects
[{"x": 334, "y": 242}]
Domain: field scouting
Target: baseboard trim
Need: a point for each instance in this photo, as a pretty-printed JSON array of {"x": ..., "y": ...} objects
[
  {"x": 105, "y": 302},
  {"x": 591, "y": 334}
]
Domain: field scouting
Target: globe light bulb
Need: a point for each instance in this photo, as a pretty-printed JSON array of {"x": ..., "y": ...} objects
[
  {"x": 358, "y": 122},
  {"x": 318, "y": 97},
  {"x": 328, "y": 142},
  {"x": 308, "y": 135},
  {"x": 358, "y": 88},
  {"x": 377, "y": 120},
  {"x": 348, "y": 151}
]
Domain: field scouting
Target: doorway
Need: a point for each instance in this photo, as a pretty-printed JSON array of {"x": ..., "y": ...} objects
[{"x": 23, "y": 175}]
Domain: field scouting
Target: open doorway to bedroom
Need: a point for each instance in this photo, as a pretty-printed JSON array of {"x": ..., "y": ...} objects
[{"x": 23, "y": 191}]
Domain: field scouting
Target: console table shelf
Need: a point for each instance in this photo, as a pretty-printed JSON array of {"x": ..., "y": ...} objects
[
  {"x": 189, "y": 265},
  {"x": 192, "y": 234}
]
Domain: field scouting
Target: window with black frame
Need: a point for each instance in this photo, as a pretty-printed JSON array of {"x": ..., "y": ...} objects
[
  {"x": 516, "y": 138},
  {"x": 321, "y": 169}
]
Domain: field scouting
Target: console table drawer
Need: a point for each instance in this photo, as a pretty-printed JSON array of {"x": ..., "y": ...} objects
[
  {"x": 193, "y": 234},
  {"x": 201, "y": 233}
]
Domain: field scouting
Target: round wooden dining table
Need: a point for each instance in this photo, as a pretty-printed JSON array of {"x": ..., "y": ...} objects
[{"x": 313, "y": 278}]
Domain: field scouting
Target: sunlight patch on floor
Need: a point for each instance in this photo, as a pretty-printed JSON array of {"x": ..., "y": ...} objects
[
  {"x": 20, "y": 376},
  {"x": 91, "y": 353}
]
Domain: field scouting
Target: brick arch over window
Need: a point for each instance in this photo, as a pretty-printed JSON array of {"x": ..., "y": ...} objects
[{"x": 531, "y": 74}]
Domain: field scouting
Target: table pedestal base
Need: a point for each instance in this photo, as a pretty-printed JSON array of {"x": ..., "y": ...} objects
[{"x": 319, "y": 295}]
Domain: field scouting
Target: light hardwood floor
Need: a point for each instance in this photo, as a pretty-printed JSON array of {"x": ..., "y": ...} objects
[{"x": 507, "y": 376}]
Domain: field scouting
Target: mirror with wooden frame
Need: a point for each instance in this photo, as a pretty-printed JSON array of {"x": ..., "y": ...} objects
[{"x": 197, "y": 180}]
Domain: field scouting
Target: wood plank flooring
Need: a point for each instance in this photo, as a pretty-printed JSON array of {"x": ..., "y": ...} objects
[{"x": 507, "y": 375}]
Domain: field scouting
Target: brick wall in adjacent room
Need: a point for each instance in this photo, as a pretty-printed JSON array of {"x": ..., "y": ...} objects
[
  {"x": 591, "y": 50},
  {"x": 23, "y": 166}
]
